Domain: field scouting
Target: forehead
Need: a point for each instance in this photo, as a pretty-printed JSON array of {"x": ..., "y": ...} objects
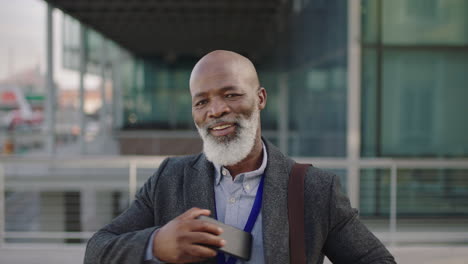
[{"x": 214, "y": 79}]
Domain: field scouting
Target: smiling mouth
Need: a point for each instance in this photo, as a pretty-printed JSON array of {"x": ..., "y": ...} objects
[{"x": 221, "y": 127}]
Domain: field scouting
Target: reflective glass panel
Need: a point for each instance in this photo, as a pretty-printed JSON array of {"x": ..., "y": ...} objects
[
  {"x": 423, "y": 100},
  {"x": 425, "y": 22}
]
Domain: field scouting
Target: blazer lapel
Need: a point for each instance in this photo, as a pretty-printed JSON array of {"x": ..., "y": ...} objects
[
  {"x": 198, "y": 189},
  {"x": 275, "y": 209}
]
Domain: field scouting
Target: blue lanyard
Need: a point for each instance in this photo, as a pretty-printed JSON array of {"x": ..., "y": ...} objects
[{"x": 254, "y": 212}]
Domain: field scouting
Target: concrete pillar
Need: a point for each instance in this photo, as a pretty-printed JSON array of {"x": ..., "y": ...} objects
[
  {"x": 354, "y": 100},
  {"x": 82, "y": 69},
  {"x": 103, "y": 112},
  {"x": 2, "y": 205},
  {"x": 50, "y": 107}
]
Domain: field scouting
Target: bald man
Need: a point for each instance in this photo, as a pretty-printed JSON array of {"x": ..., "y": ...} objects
[{"x": 236, "y": 165}]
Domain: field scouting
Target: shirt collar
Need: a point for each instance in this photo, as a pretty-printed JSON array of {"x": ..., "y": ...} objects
[{"x": 259, "y": 171}]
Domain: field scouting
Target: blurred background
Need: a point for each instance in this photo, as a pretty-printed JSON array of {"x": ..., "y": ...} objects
[{"x": 94, "y": 95}]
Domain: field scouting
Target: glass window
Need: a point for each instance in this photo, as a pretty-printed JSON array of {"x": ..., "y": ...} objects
[
  {"x": 424, "y": 97},
  {"x": 370, "y": 21},
  {"x": 269, "y": 80},
  {"x": 425, "y": 22},
  {"x": 157, "y": 94},
  {"x": 317, "y": 81},
  {"x": 70, "y": 43},
  {"x": 369, "y": 98},
  {"x": 318, "y": 112},
  {"x": 422, "y": 104},
  {"x": 412, "y": 93}
]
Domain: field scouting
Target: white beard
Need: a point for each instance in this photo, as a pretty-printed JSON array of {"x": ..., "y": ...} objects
[{"x": 230, "y": 150}]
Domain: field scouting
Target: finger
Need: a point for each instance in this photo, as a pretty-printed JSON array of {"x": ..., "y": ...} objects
[
  {"x": 199, "y": 251},
  {"x": 205, "y": 226},
  {"x": 194, "y": 213},
  {"x": 204, "y": 238}
]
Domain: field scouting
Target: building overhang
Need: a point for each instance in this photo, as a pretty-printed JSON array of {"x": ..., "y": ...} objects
[{"x": 173, "y": 28}]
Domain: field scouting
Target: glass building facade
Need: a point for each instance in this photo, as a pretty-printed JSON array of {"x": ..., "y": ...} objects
[
  {"x": 414, "y": 56},
  {"x": 305, "y": 77},
  {"x": 414, "y": 88}
]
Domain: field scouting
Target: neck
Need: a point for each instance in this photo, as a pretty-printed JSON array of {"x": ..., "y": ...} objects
[{"x": 252, "y": 162}]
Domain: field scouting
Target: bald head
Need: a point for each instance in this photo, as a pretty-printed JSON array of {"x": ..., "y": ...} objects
[{"x": 223, "y": 62}]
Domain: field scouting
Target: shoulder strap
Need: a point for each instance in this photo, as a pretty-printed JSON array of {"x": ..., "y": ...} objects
[{"x": 296, "y": 213}]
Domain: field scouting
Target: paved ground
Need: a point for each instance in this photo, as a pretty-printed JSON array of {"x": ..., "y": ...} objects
[
  {"x": 432, "y": 255},
  {"x": 59, "y": 254}
]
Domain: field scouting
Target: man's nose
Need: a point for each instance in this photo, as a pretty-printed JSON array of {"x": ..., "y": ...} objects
[{"x": 218, "y": 108}]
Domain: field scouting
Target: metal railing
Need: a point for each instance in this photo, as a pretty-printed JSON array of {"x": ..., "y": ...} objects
[{"x": 132, "y": 164}]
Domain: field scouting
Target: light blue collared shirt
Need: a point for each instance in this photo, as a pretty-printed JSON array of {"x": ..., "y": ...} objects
[{"x": 234, "y": 201}]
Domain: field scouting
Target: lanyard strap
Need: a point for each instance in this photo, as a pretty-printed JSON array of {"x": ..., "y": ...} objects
[{"x": 254, "y": 212}]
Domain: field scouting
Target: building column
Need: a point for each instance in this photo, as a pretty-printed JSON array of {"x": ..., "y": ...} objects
[
  {"x": 354, "y": 100},
  {"x": 2, "y": 205},
  {"x": 82, "y": 69},
  {"x": 51, "y": 105},
  {"x": 103, "y": 111}
]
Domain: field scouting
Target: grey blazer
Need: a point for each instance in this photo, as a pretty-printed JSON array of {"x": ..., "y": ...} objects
[{"x": 331, "y": 225}]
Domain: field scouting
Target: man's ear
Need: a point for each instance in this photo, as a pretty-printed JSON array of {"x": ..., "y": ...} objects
[{"x": 262, "y": 98}]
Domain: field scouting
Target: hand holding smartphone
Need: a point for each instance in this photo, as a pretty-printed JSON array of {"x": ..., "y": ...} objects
[{"x": 238, "y": 242}]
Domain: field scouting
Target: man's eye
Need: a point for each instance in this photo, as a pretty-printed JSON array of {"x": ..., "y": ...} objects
[
  {"x": 201, "y": 102},
  {"x": 231, "y": 95}
]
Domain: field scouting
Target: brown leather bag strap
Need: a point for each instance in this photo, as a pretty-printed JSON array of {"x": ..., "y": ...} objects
[{"x": 296, "y": 213}]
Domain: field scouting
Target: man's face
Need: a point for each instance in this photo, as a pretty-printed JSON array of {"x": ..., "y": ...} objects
[
  {"x": 219, "y": 100},
  {"x": 226, "y": 104}
]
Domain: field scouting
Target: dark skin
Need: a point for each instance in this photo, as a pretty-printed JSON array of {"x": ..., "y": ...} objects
[
  {"x": 227, "y": 91},
  {"x": 225, "y": 85},
  {"x": 179, "y": 240}
]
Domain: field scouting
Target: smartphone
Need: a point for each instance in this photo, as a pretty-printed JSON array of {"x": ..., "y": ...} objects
[{"x": 238, "y": 242}]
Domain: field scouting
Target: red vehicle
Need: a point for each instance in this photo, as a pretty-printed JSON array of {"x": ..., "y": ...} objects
[
  {"x": 15, "y": 119},
  {"x": 17, "y": 112}
]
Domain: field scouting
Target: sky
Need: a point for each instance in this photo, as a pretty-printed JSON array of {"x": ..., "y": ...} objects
[{"x": 22, "y": 42}]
